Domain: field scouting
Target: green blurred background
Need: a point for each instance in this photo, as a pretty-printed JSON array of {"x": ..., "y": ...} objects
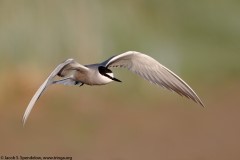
[{"x": 198, "y": 40}]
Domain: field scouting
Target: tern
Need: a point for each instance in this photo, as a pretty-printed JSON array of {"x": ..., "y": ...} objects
[{"x": 72, "y": 73}]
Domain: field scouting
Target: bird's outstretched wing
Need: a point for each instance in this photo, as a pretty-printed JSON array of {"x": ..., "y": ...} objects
[
  {"x": 153, "y": 71},
  {"x": 45, "y": 84}
]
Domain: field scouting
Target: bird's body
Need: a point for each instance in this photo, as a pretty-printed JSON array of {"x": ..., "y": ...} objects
[
  {"x": 73, "y": 73},
  {"x": 87, "y": 74}
]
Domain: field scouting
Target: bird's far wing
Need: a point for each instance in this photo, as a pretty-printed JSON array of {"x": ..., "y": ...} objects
[
  {"x": 46, "y": 83},
  {"x": 153, "y": 71}
]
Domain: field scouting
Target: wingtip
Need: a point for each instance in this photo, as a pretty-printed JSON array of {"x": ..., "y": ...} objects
[
  {"x": 198, "y": 101},
  {"x": 201, "y": 103},
  {"x": 24, "y": 120},
  {"x": 23, "y": 124}
]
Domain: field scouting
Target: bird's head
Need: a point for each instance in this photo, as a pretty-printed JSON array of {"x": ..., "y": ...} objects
[{"x": 107, "y": 73}]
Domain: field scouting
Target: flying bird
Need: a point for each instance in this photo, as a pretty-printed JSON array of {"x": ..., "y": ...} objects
[{"x": 72, "y": 73}]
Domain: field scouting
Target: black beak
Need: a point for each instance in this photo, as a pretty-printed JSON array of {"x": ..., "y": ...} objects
[
  {"x": 103, "y": 71},
  {"x": 115, "y": 79}
]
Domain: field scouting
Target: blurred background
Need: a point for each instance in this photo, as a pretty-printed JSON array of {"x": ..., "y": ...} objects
[{"x": 198, "y": 40}]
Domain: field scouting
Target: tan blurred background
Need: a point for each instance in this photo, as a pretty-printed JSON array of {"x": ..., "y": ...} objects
[{"x": 133, "y": 120}]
